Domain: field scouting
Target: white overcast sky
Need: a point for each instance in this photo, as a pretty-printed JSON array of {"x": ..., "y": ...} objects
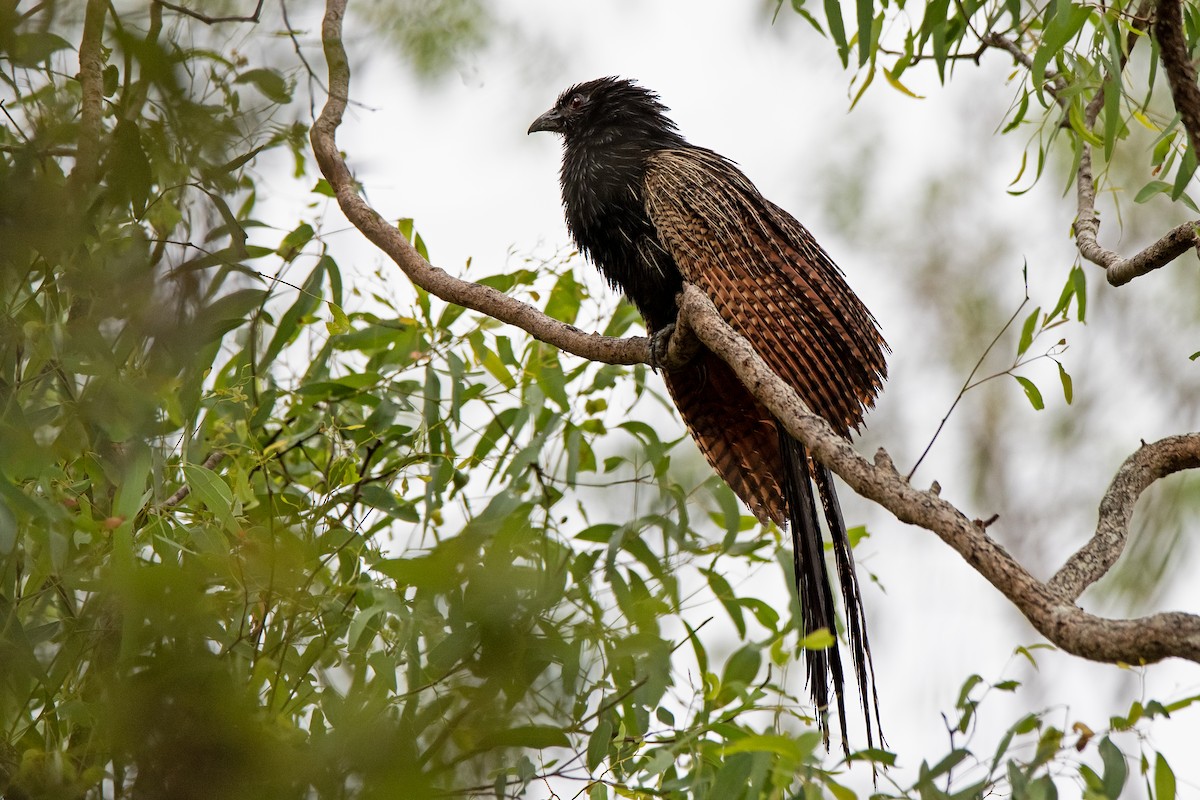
[{"x": 454, "y": 155}]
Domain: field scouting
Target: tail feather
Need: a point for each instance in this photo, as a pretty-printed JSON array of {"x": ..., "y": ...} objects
[
  {"x": 814, "y": 588},
  {"x": 856, "y": 620},
  {"x": 813, "y": 585}
]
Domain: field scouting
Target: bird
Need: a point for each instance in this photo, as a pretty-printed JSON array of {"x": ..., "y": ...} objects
[{"x": 652, "y": 211}]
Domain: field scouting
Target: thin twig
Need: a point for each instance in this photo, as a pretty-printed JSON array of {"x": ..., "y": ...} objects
[
  {"x": 214, "y": 458},
  {"x": 967, "y": 385},
  {"x": 208, "y": 20}
]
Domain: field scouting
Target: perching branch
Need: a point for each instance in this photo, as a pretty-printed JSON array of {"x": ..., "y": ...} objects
[{"x": 1049, "y": 607}]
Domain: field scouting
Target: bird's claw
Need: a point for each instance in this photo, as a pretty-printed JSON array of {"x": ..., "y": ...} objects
[{"x": 660, "y": 346}]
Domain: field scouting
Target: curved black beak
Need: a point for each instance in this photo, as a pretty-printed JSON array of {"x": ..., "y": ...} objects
[{"x": 550, "y": 121}]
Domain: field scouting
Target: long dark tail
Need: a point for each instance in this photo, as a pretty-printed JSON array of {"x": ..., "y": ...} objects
[{"x": 814, "y": 588}]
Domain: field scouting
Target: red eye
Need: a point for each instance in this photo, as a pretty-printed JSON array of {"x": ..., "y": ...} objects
[{"x": 576, "y": 102}]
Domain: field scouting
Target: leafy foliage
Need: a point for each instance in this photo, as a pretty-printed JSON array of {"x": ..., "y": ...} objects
[{"x": 269, "y": 530}]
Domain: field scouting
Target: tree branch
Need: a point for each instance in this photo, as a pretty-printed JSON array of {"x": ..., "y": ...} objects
[
  {"x": 1049, "y": 606},
  {"x": 1177, "y": 63},
  {"x": 387, "y": 237},
  {"x": 1149, "y": 464},
  {"x": 91, "y": 82}
]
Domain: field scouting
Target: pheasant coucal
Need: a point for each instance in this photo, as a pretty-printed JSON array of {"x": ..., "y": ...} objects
[{"x": 652, "y": 211}]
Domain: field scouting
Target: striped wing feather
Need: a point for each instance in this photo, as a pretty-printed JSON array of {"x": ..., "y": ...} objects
[{"x": 751, "y": 256}]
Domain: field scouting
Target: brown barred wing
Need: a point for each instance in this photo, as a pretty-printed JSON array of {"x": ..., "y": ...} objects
[{"x": 769, "y": 279}]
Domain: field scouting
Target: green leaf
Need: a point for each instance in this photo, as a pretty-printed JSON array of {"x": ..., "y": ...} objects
[
  {"x": 358, "y": 626},
  {"x": 875, "y": 756},
  {"x": 127, "y": 171},
  {"x": 1042, "y": 788},
  {"x": 895, "y": 83},
  {"x": 740, "y": 671},
  {"x": 112, "y": 80},
  {"x": 724, "y": 592},
  {"x": 964, "y": 693},
  {"x": 268, "y": 81},
  {"x": 796, "y": 749},
  {"x": 1164, "y": 779},
  {"x": 1068, "y": 389},
  {"x": 1181, "y": 704},
  {"x": 491, "y": 361},
  {"x": 928, "y": 774},
  {"x": 31, "y": 49},
  {"x": 1066, "y": 23},
  {"x": 1115, "y": 768},
  {"x": 1027, "y": 724},
  {"x": 1031, "y": 391},
  {"x": 1187, "y": 168},
  {"x": 548, "y": 372},
  {"x": 377, "y": 496},
  {"x": 1027, "y": 332},
  {"x": 291, "y": 321},
  {"x": 837, "y": 29},
  {"x": 598, "y": 743},
  {"x": 8, "y": 530},
  {"x": 295, "y": 241},
  {"x": 408, "y": 228},
  {"x": 865, "y": 13},
  {"x": 536, "y": 737},
  {"x": 565, "y": 298},
  {"x": 213, "y": 492},
  {"x": 340, "y": 322},
  {"x": 838, "y": 791},
  {"x": 1112, "y": 115},
  {"x": 820, "y": 639},
  {"x": 1079, "y": 279}
]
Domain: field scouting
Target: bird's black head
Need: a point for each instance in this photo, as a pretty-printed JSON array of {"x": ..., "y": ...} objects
[{"x": 608, "y": 108}]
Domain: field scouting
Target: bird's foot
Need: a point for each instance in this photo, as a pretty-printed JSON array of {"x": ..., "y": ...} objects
[
  {"x": 672, "y": 347},
  {"x": 660, "y": 347}
]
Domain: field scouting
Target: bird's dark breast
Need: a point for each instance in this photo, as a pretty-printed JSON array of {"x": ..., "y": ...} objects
[{"x": 627, "y": 252}]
